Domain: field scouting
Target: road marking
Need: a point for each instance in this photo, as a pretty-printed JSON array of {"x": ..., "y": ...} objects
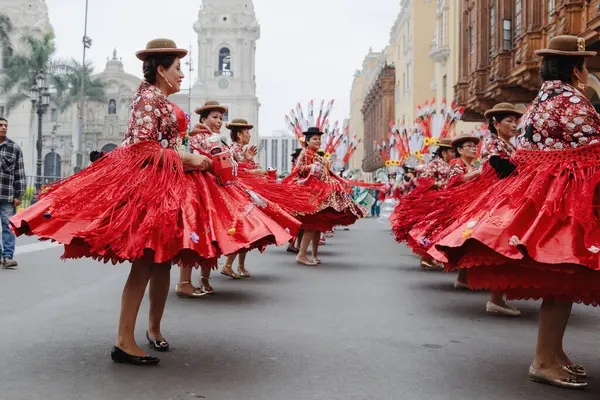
[{"x": 30, "y": 248}]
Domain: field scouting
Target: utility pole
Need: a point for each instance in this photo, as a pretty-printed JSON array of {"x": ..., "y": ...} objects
[
  {"x": 190, "y": 64},
  {"x": 87, "y": 43}
]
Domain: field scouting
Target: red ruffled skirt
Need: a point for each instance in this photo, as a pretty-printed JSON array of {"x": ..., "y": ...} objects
[
  {"x": 138, "y": 203},
  {"x": 535, "y": 234},
  {"x": 432, "y": 211},
  {"x": 329, "y": 205}
]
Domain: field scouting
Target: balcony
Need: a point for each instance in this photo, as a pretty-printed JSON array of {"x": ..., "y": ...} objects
[
  {"x": 372, "y": 162},
  {"x": 439, "y": 54},
  {"x": 223, "y": 73}
]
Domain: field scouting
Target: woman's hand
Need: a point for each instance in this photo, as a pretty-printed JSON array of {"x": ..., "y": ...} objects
[
  {"x": 250, "y": 153},
  {"x": 195, "y": 162},
  {"x": 258, "y": 171},
  {"x": 198, "y": 129}
]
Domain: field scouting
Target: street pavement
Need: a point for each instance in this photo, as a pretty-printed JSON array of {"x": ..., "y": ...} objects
[{"x": 368, "y": 324}]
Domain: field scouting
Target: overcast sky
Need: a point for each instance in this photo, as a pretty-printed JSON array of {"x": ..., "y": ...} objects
[{"x": 309, "y": 49}]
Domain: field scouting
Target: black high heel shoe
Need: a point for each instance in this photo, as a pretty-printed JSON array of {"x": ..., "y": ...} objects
[
  {"x": 159, "y": 345},
  {"x": 119, "y": 356}
]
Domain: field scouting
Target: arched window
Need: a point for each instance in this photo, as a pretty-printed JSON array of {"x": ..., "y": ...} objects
[
  {"x": 112, "y": 107},
  {"x": 225, "y": 62},
  {"x": 52, "y": 163}
]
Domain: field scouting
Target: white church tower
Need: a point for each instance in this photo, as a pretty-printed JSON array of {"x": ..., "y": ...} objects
[{"x": 225, "y": 65}]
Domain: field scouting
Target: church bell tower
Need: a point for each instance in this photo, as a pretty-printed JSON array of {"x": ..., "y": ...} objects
[{"x": 227, "y": 34}]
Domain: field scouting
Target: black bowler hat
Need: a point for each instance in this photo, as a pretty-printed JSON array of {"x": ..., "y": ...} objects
[{"x": 312, "y": 132}]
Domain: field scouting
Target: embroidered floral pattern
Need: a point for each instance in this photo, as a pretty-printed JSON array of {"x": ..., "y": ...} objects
[
  {"x": 561, "y": 117},
  {"x": 240, "y": 156},
  {"x": 438, "y": 170},
  {"x": 496, "y": 146},
  {"x": 152, "y": 118}
]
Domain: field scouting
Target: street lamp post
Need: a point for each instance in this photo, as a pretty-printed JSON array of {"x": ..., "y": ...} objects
[{"x": 40, "y": 98}]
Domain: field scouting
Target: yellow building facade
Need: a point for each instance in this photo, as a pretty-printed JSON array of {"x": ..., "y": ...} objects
[
  {"x": 424, "y": 49},
  {"x": 409, "y": 51}
]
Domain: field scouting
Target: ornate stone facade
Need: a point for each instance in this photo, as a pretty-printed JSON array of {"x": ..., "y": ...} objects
[
  {"x": 498, "y": 40},
  {"x": 104, "y": 123},
  {"x": 226, "y": 61},
  {"x": 378, "y": 111}
]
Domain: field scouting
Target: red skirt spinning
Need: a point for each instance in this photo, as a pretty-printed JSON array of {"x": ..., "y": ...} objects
[
  {"x": 138, "y": 203},
  {"x": 435, "y": 210},
  {"x": 535, "y": 234},
  {"x": 329, "y": 204}
]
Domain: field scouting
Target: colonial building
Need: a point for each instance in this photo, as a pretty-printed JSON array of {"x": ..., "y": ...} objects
[
  {"x": 403, "y": 79},
  {"x": 227, "y": 34},
  {"x": 378, "y": 112},
  {"x": 498, "y": 41},
  {"x": 363, "y": 78},
  {"x": 445, "y": 52},
  {"x": 104, "y": 123},
  {"x": 28, "y": 18},
  {"x": 409, "y": 49}
]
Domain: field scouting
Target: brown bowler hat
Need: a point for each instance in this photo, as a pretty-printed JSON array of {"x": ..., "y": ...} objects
[
  {"x": 465, "y": 137},
  {"x": 239, "y": 123},
  {"x": 566, "y": 45},
  {"x": 503, "y": 108},
  {"x": 212, "y": 105},
  {"x": 445, "y": 142},
  {"x": 161, "y": 46}
]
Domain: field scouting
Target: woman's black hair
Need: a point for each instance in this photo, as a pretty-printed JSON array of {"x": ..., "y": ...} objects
[
  {"x": 234, "y": 133},
  {"x": 498, "y": 118},
  {"x": 95, "y": 155},
  {"x": 152, "y": 62},
  {"x": 440, "y": 150},
  {"x": 560, "y": 68}
]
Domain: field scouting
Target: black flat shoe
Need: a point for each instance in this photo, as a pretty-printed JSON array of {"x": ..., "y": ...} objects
[
  {"x": 160, "y": 345},
  {"x": 119, "y": 356}
]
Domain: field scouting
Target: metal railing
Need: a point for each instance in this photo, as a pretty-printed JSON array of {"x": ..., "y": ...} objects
[{"x": 31, "y": 191}]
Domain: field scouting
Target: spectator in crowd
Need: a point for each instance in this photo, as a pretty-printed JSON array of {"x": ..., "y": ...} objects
[{"x": 12, "y": 187}]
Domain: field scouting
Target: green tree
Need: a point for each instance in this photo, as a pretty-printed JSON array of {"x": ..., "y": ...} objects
[
  {"x": 62, "y": 77},
  {"x": 22, "y": 69},
  {"x": 69, "y": 81},
  {"x": 6, "y": 28}
]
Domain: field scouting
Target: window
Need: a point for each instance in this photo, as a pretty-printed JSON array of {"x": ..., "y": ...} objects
[
  {"x": 404, "y": 82},
  {"x": 408, "y": 76},
  {"x": 54, "y": 115},
  {"x": 445, "y": 86},
  {"x": 518, "y": 11},
  {"x": 550, "y": 10},
  {"x": 2, "y": 111},
  {"x": 225, "y": 62},
  {"x": 284, "y": 155},
  {"x": 226, "y": 116},
  {"x": 274, "y": 153},
  {"x": 112, "y": 107},
  {"x": 506, "y": 34},
  {"x": 492, "y": 29}
]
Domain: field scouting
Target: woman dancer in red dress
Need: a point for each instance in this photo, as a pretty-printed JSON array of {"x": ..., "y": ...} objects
[
  {"x": 411, "y": 210},
  {"x": 334, "y": 206},
  {"x": 243, "y": 220},
  {"x": 240, "y": 138},
  {"x": 536, "y": 233},
  {"x": 130, "y": 205}
]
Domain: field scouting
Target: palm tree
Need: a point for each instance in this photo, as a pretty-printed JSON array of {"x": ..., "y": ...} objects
[
  {"x": 69, "y": 85},
  {"x": 22, "y": 69},
  {"x": 6, "y": 28}
]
